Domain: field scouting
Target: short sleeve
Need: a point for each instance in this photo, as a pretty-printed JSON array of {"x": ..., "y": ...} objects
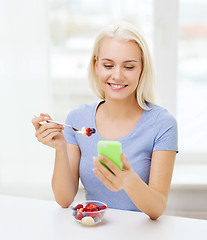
[
  {"x": 166, "y": 132},
  {"x": 69, "y": 134}
]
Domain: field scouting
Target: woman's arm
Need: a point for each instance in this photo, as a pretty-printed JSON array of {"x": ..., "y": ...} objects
[
  {"x": 150, "y": 199},
  {"x": 66, "y": 174}
]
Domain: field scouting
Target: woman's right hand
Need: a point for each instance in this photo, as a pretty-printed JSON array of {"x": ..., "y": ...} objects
[{"x": 50, "y": 134}]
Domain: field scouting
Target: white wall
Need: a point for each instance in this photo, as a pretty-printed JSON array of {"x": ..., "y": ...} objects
[{"x": 24, "y": 91}]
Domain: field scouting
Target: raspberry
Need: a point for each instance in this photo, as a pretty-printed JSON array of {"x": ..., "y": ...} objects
[{"x": 79, "y": 206}]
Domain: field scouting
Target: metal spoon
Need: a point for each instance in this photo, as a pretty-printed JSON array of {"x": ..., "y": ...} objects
[{"x": 63, "y": 124}]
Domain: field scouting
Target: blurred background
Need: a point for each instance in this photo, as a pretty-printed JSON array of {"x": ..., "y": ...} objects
[{"x": 45, "y": 46}]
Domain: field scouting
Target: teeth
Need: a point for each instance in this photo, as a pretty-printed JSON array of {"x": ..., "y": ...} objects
[{"x": 117, "y": 86}]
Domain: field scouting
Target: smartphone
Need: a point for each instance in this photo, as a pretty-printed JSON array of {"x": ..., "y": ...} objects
[{"x": 112, "y": 150}]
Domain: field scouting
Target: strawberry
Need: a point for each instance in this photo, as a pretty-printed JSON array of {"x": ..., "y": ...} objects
[
  {"x": 90, "y": 207},
  {"x": 93, "y": 214},
  {"x": 102, "y": 207},
  {"x": 79, "y": 215},
  {"x": 90, "y": 131}
]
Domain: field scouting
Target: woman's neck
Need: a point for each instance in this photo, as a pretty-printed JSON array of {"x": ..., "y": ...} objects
[{"x": 116, "y": 109}]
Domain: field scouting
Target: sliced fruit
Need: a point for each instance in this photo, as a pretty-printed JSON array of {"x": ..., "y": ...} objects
[
  {"x": 92, "y": 205},
  {"x": 88, "y": 132},
  {"x": 93, "y": 214},
  {"x": 83, "y": 130},
  {"x": 88, "y": 220},
  {"x": 81, "y": 209},
  {"x": 102, "y": 207}
]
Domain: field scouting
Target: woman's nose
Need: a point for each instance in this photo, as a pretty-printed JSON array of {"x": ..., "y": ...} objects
[{"x": 117, "y": 73}]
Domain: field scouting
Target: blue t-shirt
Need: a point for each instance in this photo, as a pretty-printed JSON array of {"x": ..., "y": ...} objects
[{"x": 156, "y": 130}]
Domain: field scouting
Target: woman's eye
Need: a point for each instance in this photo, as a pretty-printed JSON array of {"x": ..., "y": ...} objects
[
  {"x": 108, "y": 65},
  {"x": 129, "y": 67}
]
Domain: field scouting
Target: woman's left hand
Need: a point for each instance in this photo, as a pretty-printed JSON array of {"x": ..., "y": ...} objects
[{"x": 117, "y": 180}]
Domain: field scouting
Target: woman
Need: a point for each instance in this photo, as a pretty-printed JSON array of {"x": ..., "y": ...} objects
[{"x": 121, "y": 74}]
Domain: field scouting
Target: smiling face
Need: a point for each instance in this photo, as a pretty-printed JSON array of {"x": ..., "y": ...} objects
[{"x": 118, "y": 68}]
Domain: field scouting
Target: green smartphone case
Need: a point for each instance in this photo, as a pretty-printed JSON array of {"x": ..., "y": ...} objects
[{"x": 112, "y": 150}]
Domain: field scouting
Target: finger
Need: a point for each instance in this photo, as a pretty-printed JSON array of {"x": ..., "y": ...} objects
[
  {"x": 110, "y": 179},
  {"x": 46, "y": 115},
  {"x": 49, "y": 125},
  {"x": 47, "y": 139},
  {"x": 125, "y": 162},
  {"x": 105, "y": 172},
  {"x": 44, "y": 127},
  {"x": 104, "y": 180},
  {"x": 110, "y": 164},
  {"x": 48, "y": 132},
  {"x": 36, "y": 121}
]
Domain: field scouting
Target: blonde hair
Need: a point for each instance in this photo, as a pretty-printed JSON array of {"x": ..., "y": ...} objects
[{"x": 126, "y": 32}]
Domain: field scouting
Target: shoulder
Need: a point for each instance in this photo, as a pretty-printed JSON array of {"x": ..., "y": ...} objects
[
  {"x": 160, "y": 114},
  {"x": 165, "y": 129},
  {"x": 84, "y": 108},
  {"x": 82, "y": 112}
]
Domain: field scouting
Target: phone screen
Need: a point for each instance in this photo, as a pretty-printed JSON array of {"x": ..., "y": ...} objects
[{"x": 112, "y": 150}]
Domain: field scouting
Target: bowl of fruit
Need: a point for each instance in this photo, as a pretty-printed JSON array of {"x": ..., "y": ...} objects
[{"x": 89, "y": 212}]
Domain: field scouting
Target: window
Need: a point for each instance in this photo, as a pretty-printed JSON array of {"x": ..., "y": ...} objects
[
  {"x": 192, "y": 77},
  {"x": 74, "y": 25}
]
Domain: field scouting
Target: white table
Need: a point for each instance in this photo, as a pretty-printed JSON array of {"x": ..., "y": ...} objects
[{"x": 28, "y": 219}]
